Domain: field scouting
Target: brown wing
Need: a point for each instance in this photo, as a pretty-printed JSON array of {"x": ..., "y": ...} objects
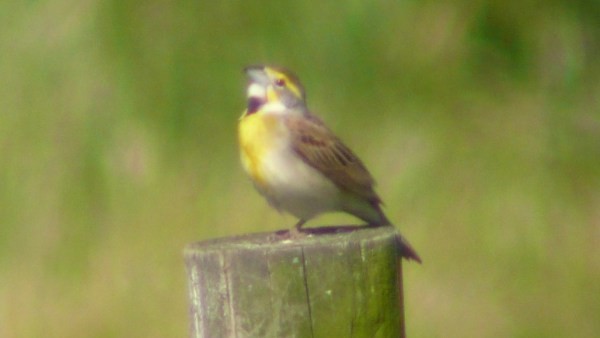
[{"x": 322, "y": 150}]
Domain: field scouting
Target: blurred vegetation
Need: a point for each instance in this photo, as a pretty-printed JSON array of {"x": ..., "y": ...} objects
[{"x": 480, "y": 119}]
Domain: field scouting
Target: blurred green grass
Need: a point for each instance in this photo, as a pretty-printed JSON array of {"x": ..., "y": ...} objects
[{"x": 481, "y": 121}]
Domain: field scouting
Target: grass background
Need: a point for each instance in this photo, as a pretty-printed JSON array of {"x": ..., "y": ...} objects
[{"x": 480, "y": 120}]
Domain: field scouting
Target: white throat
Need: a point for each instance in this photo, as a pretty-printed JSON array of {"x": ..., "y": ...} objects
[{"x": 256, "y": 90}]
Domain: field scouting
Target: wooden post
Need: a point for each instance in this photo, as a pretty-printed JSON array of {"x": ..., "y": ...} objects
[{"x": 338, "y": 283}]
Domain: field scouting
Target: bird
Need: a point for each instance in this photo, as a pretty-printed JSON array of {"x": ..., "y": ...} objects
[{"x": 296, "y": 162}]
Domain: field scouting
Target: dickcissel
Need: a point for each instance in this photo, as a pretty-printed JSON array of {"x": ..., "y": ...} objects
[{"x": 295, "y": 161}]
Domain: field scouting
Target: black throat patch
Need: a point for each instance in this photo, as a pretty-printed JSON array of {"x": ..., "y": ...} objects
[{"x": 254, "y": 104}]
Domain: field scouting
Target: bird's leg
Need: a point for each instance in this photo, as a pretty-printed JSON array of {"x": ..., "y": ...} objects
[
  {"x": 299, "y": 225},
  {"x": 296, "y": 231}
]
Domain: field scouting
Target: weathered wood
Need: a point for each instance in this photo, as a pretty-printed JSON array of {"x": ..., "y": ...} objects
[{"x": 334, "y": 283}]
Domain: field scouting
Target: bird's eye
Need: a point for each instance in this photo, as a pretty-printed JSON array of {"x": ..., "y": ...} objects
[{"x": 280, "y": 82}]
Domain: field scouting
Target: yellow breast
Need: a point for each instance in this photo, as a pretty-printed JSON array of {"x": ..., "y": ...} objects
[{"x": 258, "y": 135}]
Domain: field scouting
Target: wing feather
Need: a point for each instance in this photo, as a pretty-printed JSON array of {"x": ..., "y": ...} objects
[{"x": 322, "y": 150}]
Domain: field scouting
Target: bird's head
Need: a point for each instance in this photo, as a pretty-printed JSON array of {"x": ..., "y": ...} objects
[{"x": 273, "y": 89}]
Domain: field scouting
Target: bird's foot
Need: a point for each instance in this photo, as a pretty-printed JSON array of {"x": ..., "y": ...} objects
[{"x": 296, "y": 231}]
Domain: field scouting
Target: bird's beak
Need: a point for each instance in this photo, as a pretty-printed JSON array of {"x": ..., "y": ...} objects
[
  {"x": 259, "y": 81},
  {"x": 257, "y": 88},
  {"x": 257, "y": 74}
]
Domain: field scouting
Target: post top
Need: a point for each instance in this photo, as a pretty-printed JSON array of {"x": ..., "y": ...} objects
[{"x": 332, "y": 235}]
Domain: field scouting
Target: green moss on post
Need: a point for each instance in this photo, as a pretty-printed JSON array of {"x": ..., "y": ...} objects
[{"x": 345, "y": 283}]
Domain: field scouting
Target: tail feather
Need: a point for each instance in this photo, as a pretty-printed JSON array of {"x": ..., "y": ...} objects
[
  {"x": 375, "y": 217},
  {"x": 404, "y": 248}
]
